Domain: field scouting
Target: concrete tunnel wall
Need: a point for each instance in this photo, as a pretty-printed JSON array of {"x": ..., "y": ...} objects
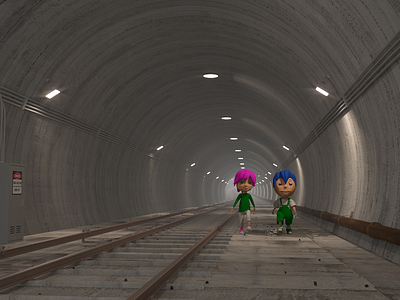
[{"x": 272, "y": 54}]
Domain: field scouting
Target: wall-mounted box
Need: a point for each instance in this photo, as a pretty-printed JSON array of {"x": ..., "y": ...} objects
[{"x": 12, "y": 194}]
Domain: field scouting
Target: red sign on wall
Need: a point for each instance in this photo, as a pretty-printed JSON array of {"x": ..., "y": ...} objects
[{"x": 17, "y": 183}]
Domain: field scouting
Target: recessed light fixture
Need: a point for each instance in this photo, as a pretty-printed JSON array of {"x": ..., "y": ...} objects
[
  {"x": 242, "y": 168},
  {"x": 286, "y": 148},
  {"x": 52, "y": 94},
  {"x": 192, "y": 164},
  {"x": 242, "y": 164},
  {"x": 210, "y": 75},
  {"x": 269, "y": 173},
  {"x": 226, "y": 118},
  {"x": 159, "y": 148},
  {"x": 208, "y": 172},
  {"x": 222, "y": 180},
  {"x": 238, "y": 150},
  {"x": 240, "y": 157},
  {"x": 275, "y": 165},
  {"x": 265, "y": 177},
  {"x": 233, "y": 138},
  {"x": 217, "y": 177},
  {"x": 323, "y": 92}
]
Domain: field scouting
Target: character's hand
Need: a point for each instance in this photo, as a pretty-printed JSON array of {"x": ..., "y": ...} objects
[
  {"x": 273, "y": 211},
  {"x": 232, "y": 209},
  {"x": 254, "y": 209}
]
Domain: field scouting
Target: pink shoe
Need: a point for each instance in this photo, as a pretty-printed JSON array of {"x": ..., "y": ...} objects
[{"x": 241, "y": 230}]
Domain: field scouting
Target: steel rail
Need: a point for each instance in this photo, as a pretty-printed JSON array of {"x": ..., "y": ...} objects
[
  {"x": 66, "y": 239},
  {"x": 158, "y": 281},
  {"x": 374, "y": 230},
  {"x": 44, "y": 268}
]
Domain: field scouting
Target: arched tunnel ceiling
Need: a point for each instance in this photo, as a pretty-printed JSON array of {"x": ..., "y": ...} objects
[{"x": 134, "y": 68}]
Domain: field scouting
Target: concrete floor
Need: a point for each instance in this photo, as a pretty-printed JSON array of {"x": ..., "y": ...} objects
[{"x": 309, "y": 264}]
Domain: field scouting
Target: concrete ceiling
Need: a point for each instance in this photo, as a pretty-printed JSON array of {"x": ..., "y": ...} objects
[{"x": 134, "y": 69}]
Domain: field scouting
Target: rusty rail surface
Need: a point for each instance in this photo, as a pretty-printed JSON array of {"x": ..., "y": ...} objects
[
  {"x": 158, "y": 281},
  {"x": 373, "y": 229},
  {"x": 35, "y": 271},
  {"x": 4, "y": 253}
]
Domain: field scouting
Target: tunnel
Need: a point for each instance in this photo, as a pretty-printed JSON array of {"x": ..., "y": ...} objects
[{"x": 161, "y": 102}]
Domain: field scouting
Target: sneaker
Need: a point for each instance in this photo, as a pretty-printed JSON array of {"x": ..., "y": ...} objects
[
  {"x": 289, "y": 230},
  {"x": 241, "y": 230},
  {"x": 280, "y": 229},
  {"x": 248, "y": 227}
]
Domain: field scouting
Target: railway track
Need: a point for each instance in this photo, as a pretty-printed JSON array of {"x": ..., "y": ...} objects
[{"x": 170, "y": 253}]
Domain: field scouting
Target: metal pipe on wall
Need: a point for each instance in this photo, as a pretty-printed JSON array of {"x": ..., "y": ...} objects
[
  {"x": 2, "y": 130},
  {"x": 374, "y": 230}
]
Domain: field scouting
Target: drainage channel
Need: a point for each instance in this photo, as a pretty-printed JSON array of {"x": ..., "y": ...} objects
[{"x": 121, "y": 273}]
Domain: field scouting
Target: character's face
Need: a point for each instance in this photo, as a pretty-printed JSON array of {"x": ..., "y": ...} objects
[
  {"x": 285, "y": 190},
  {"x": 245, "y": 185}
]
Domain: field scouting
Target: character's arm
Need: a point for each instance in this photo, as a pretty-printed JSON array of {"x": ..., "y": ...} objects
[
  {"x": 252, "y": 202},
  {"x": 276, "y": 205},
  {"x": 237, "y": 199},
  {"x": 293, "y": 206}
]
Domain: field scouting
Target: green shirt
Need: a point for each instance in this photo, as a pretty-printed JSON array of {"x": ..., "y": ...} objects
[{"x": 244, "y": 202}]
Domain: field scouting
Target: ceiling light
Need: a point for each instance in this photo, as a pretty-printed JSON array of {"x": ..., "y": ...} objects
[
  {"x": 208, "y": 172},
  {"x": 286, "y": 148},
  {"x": 192, "y": 164},
  {"x": 269, "y": 173},
  {"x": 323, "y": 92},
  {"x": 275, "y": 165},
  {"x": 159, "y": 148},
  {"x": 226, "y": 118},
  {"x": 210, "y": 75},
  {"x": 265, "y": 177},
  {"x": 238, "y": 150},
  {"x": 217, "y": 177},
  {"x": 233, "y": 139},
  {"x": 240, "y": 157},
  {"x": 222, "y": 180},
  {"x": 242, "y": 168},
  {"x": 52, "y": 94},
  {"x": 242, "y": 164}
]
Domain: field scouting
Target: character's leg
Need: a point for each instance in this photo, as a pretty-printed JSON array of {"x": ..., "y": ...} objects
[
  {"x": 248, "y": 218},
  {"x": 279, "y": 220},
  {"x": 289, "y": 219},
  {"x": 241, "y": 220}
]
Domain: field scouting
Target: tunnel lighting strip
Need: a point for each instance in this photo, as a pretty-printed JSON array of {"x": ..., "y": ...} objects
[
  {"x": 387, "y": 58},
  {"x": 52, "y": 94},
  {"x": 210, "y": 75},
  {"x": 323, "y": 92},
  {"x": 30, "y": 105}
]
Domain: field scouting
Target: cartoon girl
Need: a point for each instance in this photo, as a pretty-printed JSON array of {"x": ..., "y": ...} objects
[{"x": 244, "y": 181}]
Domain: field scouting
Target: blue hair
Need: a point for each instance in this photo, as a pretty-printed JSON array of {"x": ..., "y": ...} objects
[{"x": 285, "y": 175}]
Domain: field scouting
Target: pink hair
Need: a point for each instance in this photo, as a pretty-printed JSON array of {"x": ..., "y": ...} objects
[{"x": 244, "y": 174}]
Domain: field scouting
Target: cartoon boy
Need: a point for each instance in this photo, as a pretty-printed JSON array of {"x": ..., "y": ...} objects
[
  {"x": 244, "y": 181},
  {"x": 284, "y": 186}
]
